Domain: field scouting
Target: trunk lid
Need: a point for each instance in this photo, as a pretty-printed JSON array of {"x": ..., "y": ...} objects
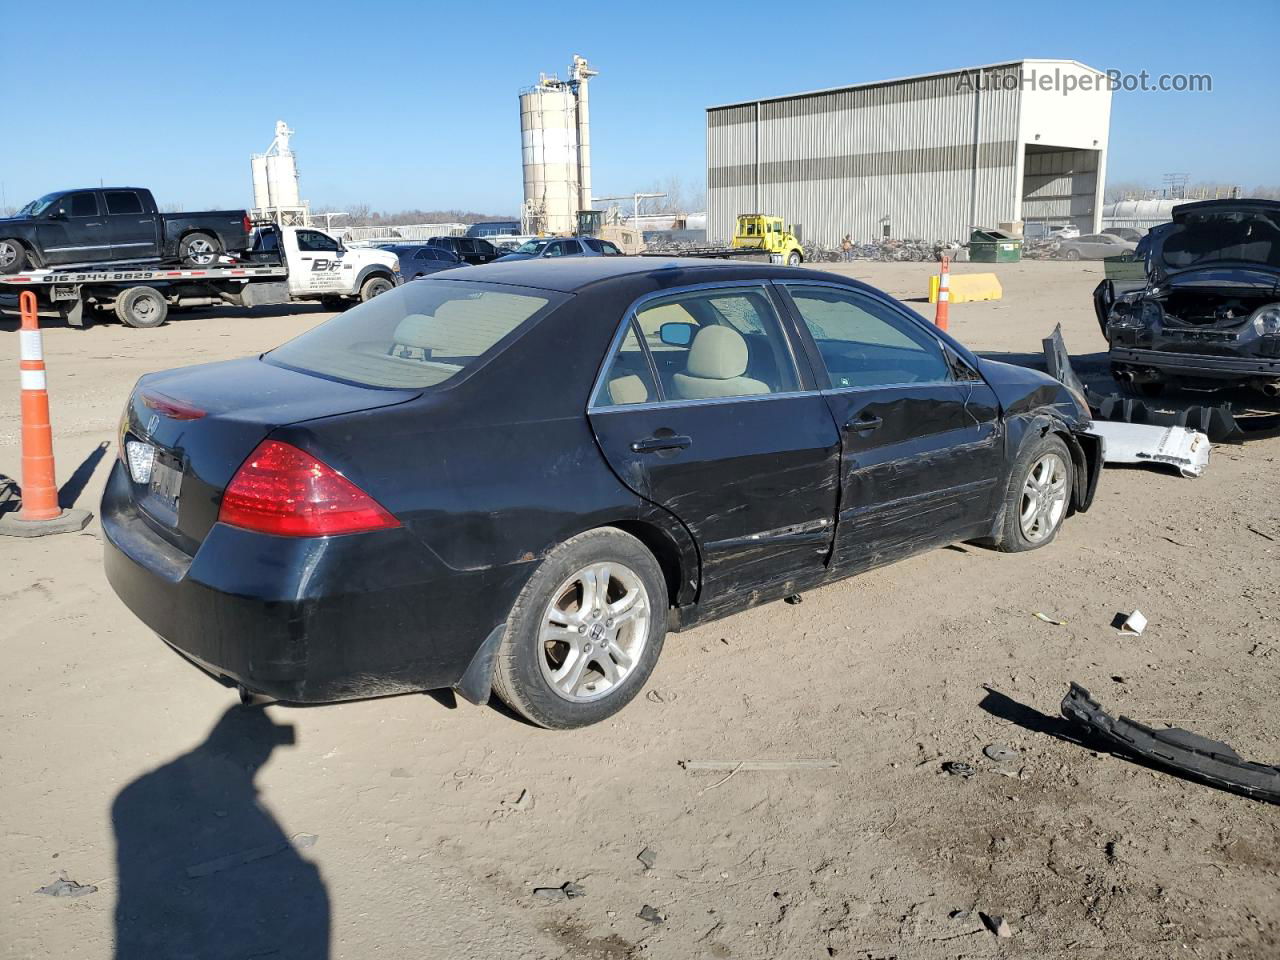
[{"x": 202, "y": 422}]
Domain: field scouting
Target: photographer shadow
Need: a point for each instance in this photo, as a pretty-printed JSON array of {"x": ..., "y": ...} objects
[{"x": 204, "y": 869}]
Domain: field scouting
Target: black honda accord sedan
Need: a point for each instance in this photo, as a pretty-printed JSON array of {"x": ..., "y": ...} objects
[{"x": 519, "y": 477}]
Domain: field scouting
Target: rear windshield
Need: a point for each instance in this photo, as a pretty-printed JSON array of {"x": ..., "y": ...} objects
[
  {"x": 420, "y": 335},
  {"x": 1237, "y": 236}
]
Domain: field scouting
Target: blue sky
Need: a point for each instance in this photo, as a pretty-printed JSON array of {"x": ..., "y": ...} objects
[{"x": 410, "y": 104}]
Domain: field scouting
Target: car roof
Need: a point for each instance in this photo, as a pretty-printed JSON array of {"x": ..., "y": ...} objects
[{"x": 570, "y": 274}]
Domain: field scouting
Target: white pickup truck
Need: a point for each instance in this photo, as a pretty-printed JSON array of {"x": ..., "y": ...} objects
[{"x": 285, "y": 264}]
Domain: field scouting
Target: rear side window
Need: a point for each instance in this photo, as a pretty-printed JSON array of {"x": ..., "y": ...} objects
[
  {"x": 629, "y": 379},
  {"x": 419, "y": 335},
  {"x": 123, "y": 201},
  {"x": 713, "y": 344},
  {"x": 865, "y": 343}
]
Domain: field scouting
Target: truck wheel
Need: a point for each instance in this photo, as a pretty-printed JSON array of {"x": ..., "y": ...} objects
[
  {"x": 794, "y": 260},
  {"x": 13, "y": 256},
  {"x": 142, "y": 307},
  {"x": 199, "y": 249},
  {"x": 374, "y": 287}
]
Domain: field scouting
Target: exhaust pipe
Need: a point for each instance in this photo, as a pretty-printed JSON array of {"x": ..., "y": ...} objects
[
  {"x": 1271, "y": 389},
  {"x": 1124, "y": 376}
]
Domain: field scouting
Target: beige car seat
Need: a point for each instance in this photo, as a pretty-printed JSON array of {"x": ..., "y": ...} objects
[{"x": 715, "y": 367}]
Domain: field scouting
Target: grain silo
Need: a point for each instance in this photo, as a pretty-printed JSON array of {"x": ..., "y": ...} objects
[{"x": 556, "y": 151}]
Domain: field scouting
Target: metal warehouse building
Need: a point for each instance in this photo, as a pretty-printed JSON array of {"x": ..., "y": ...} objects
[{"x": 925, "y": 157}]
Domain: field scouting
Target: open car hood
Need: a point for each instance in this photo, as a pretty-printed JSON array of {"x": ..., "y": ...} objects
[{"x": 1216, "y": 235}]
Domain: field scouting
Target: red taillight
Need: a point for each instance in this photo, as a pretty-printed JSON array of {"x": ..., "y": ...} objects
[
  {"x": 286, "y": 491},
  {"x": 248, "y": 224}
]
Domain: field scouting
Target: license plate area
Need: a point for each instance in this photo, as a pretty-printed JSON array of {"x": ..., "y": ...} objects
[{"x": 160, "y": 498}]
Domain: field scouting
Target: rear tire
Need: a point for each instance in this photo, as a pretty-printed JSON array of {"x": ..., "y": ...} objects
[
  {"x": 142, "y": 307},
  {"x": 1038, "y": 495},
  {"x": 550, "y": 630},
  {"x": 199, "y": 250},
  {"x": 13, "y": 257},
  {"x": 375, "y": 287}
]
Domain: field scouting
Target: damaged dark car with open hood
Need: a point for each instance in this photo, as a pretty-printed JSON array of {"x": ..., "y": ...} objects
[{"x": 1207, "y": 314}]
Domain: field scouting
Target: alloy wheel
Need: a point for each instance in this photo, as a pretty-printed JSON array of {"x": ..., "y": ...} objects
[
  {"x": 1044, "y": 498},
  {"x": 594, "y": 631},
  {"x": 200, "y": 251},
  {"x": 8, "y": 254}
]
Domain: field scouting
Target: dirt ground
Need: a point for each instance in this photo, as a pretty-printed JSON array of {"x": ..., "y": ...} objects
[{"x": 409, "y": 838}]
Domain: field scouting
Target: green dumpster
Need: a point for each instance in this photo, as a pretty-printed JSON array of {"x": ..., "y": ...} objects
[{"x": 994, "y": 246}]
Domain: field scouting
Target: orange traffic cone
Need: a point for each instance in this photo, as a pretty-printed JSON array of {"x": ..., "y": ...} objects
[
  {"x": 40, "y": 513},
  {"x": 941, "y": 318}
]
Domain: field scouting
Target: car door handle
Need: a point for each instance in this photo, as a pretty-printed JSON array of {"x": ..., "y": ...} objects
[
  {"x": 147, "y": 220},
  {"x": 863, "y": 423},
  {"x": 654, "y": 444}
]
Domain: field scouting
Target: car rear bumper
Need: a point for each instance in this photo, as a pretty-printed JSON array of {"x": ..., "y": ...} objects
[
  {"x": 1194, "y": 364},
  {"x": 304, "y": 620}
]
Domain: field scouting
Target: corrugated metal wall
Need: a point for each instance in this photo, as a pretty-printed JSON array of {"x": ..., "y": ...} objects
[
  {"x": 1060, "y": 186},
  {"x": 846, "y": 161}
]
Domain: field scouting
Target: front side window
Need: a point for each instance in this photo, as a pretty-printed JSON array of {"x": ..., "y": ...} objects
[
  {"x": 123, "y": 201},
  {"x": 419, "y": 335},
  {"x": 311, "y": 241},
  {"x": 609, "y": 249},
  {"x": 866, "y": 343},
  {"x": 717, "y": 343},
  {"x": 82, "y": 205},
  {"x": 628, "y": 380}
]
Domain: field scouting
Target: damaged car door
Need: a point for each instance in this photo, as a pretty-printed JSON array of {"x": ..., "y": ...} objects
[
  {"x": 921, "y": 433},
  {"x": 701, "y": 409}
]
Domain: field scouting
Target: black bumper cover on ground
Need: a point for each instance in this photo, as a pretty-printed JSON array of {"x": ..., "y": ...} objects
[{"x": 1187, "y": 753}]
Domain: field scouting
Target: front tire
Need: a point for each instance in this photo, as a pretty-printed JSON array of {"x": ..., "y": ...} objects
[
  {"x": 794, "y": 260},
  {"x": 1072, "y": 254},
  {"x": 1038, "y": 495},
  {"x": 375, "y": 287},
  {"x": 13, "y": 257},
  {"x": 199, "y": 250},
  {"x": 585, "y": 632}
]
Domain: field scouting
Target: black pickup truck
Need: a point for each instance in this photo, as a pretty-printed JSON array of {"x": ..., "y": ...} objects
[{"x": 111, "y": 224}]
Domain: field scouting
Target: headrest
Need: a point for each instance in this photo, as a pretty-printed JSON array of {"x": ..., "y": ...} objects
[
  {"x": 628, "y": 389},
  {"x": 718, "y": 353}
]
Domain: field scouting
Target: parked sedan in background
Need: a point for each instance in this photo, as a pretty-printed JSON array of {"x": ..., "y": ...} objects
[
  {"x": 553, "y": 247},
  {"x": 421, "y": 260},
  {"x": 1097, "y": 246},
  {"x": 518, "y": 477},
  {"x": 474, "y": 250},
  {"x": 1132, "y": 234}
]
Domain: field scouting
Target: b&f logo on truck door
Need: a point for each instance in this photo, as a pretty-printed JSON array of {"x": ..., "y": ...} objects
[{"x": 325, "y": 265}]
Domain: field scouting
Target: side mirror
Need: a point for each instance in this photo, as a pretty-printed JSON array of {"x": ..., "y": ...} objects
[
  {"x": 57, "y": 215},
  {"x": 676, "y": 334}
]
